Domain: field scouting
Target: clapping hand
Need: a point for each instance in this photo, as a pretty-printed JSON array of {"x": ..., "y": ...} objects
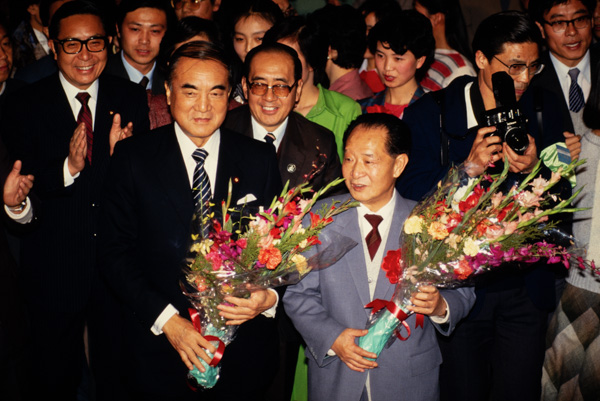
[
  {"x": 17, "y": 186},
  {"x": 118, "y": 133}
]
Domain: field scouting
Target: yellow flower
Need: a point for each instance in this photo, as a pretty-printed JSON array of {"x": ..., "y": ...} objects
[
  {"x": 453, "y": 240},
  {"x": 300, "y": 262},
  {"x": 437, "y": 230},
  {"x": 413, "y": 225},
  {"x": 471, "y": 248}
]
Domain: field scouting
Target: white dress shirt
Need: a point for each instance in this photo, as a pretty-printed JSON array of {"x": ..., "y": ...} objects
[
  {"x": 259, "y": 132},
  {"x": 584, "y": 79},
  {"x": 134, "y": 75}
]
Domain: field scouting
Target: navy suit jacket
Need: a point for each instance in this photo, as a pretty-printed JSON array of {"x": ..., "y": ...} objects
[
  {"x": 144, "y": 239},
  {"x": 328, "y": 301}
]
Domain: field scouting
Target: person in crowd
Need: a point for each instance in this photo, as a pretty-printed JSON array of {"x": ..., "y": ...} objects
[
  {"x": 200, "y": 8},
  {"x": 67, "y": 148},
  {"x": 566, "y": 26},
  {"x": 573, "y": 335},
  {"x": 46, "y": 65},
  {"x": 192, "y": 28},
  {"x": 249, "y": 25},
  {"x": 597, "y": 22},
  {"x": 327, "y": 108},
  {"x": 286, "y": 8},
  {"x": 272, "y": 83},
  {"x": 373, "y": 11},
  {"x": 403, "y": 46},
  {"x": 141, "y": 27},
  {"x": 327, "y": 306},
  {"x": 452, "y": 53},
  {"x": 499, "y": 346},
  {"x": 30, "y": 41},
  {"x": 7, "y": 84},
  {"x": 146, "y": 229},
  {"x": 345, "y": 29}
]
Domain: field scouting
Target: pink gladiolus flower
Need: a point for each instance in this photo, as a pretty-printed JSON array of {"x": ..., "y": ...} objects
[
  {"x": 510, "y": 227},
  {"x": 497, "y": 199},
  {"x": 538, "y": 186},
  {"x": 556, "y": 176},
  {"x": 528, "y": 199}
]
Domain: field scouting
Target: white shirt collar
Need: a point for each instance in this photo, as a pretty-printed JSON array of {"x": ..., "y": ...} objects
[
  {"x": 72, "y": 91},
  {"x": 386, "y": 212},
  {"x": 188, "y": 147},
  {"x": 259, "y": 132},
  {"x": 471, "y": 119},
  {"x": 134, "y": 75},
  {"x": 584, "y": 78}
]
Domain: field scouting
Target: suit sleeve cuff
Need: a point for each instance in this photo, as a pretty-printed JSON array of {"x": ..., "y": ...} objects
[
  {"x": 272, "y": 310},
  {"x": 165, "y": 315},
  {"x": 442, "y": 320},
  {"x": 24, "y": 217},
  {"x": 68, "y": 178}
]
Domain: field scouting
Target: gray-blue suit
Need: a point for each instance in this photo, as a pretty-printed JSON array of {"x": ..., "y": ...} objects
[{"x": 328, "y": 301}]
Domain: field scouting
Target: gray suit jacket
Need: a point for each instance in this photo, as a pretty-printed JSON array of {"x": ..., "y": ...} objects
[{"x": 330, "y": 300}]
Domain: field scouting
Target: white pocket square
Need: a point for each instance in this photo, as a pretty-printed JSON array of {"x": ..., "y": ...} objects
[{"x": 246, "y": 199}]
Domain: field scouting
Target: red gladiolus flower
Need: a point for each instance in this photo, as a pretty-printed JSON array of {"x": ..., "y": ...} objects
[
  {"x": 471, "y": 200},
  {"x": 275, "y": 233},
  {"x": 291, "y": 208},
  {"x": 270, "y": 257},
  {"x": 464, "y": 270},
  {"x": 454, "y": 220},
  {"x": 392, "y": 265}
]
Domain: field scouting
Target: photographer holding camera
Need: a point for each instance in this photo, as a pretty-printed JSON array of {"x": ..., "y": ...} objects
[{"x": 497, "y": 351}]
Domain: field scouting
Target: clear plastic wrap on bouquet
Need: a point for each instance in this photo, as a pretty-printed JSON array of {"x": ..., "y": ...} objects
[{"x": 466, "y": 227}]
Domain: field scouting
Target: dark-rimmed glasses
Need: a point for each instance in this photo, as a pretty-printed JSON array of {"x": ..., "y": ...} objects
[
  {"x": 517, "y": 69},
  {"x": 94, "y": 44},
  {"x": 178, "y": 4},
  {"x": 260, "y": 89},
  {"x": 561, "y": 25}
]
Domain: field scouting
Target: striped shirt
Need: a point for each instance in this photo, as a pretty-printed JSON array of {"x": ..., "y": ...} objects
[{"x": 448, "y": 64}]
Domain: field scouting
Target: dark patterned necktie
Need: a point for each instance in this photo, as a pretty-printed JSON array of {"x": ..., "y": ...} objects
[
  {"x": 373, "y": 238},
  {"x": 144, "y": 82},
  {"x": 576, "y": 99},
  {"x": 85, "y": 116},
  {"x": 270, "y": 138},
  {"x": 201, "y": 186}
]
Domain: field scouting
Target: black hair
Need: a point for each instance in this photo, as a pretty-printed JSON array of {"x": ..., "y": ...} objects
[
  {"x": 505, "y": 27},
  {"x": 265, "y": 9},
  {"x": 128, "y": 6},
  {"x": 591, "y": 112},
  {"x": 381, "y": 8},
  {"x": 191, "y": 26},
  {"x": 311, "y": 41},
  {"x": 398, "y": 140},
  {"x": 199, "y": 50},
  {"x": 77, "y": 7},
  {"x": 45, "y": 11},
  {"x": 537, "y": 8},
  {"x": 406, "y": 31},
  {"x": 274, "y": 47},
  {"x": 346, "y": 31},
  {"x": 456, "y": 29}
]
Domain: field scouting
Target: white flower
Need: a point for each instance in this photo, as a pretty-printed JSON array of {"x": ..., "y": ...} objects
[
  {"x": 413, "y": 225},
  {"x": 462, "y": 193}
]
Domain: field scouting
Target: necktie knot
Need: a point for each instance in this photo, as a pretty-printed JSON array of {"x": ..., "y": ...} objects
[
  {"x": 270, "y": 138},
  {"x": 200, "y": 155},
  {"x": 83, "y": 97},
  {"x": 374, "y": 220},
  {"x": 574, "y": 73},
  {"x": 373, "y": 238},
  {"x": 144, "y": 82}
]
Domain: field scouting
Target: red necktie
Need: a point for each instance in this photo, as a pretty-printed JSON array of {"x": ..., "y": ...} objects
[
  {"x": 85, "y": 116},
  {"x": 373, "y": 238}
]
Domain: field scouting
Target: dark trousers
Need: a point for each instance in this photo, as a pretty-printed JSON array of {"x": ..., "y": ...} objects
[{"x": 497, "y": 352}]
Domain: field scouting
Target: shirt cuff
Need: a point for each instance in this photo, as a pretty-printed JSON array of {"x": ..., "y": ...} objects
[
  {"x": 68, "y": 178},
  {"x": 165, "y": 315},
  {"x": 272, "y": 310},
  {"x": 442, "y": 320},
  {"x": 24, "y": 217}
]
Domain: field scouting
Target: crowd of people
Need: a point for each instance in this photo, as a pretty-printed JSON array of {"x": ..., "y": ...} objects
[{"x": 111, "y": 113}]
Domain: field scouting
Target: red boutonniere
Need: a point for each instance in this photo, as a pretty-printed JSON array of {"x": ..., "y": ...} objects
[{"x": 392, "y": 265}]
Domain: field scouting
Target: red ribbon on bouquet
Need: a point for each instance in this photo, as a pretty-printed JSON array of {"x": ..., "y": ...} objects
[
  {"x": 195, "y": 316},
  {"x": 398, "y": 313}
]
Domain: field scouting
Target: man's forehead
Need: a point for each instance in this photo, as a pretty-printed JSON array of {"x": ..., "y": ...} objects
[
  {"x": 520, "y": 51},
  {"x": 192, "y": 66},
  {"x": 266, "y": 59},
  {"x": 79, "y": 25},
  {"x": 559, "y": 10}
]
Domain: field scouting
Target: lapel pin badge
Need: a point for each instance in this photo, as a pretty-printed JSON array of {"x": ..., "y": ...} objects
[
  {"x": 291, "y": 168},
  {"x": 236, "y": 179}
]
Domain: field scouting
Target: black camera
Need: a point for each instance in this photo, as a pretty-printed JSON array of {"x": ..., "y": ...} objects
[{"x": 510, "y": 123}]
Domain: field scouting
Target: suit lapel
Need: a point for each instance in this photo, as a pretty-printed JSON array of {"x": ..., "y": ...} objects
[{"x": 292, "y": 151}]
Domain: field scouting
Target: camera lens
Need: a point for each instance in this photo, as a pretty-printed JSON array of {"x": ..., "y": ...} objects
[{"x": 516, "y": 138}]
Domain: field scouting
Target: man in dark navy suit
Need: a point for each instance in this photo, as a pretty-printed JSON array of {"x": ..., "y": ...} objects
[
  {"x": 146, "y": 236},
  {"x": 64, "y": 128}
]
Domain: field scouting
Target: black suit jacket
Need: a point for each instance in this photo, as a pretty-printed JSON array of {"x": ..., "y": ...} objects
[
  {"x": 304, "y": 145},
  {"x": 58, "y": 257},
  {"x": 548, "y": 80},
  {"x": 114, "y": 66},
  {"x": 144, "y": 240}
]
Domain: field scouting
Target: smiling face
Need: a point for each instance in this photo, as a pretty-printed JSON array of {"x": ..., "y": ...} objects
[
  {"x": 249, "y": 33},
  {"x": 6, "y": 56},
  {"x": 370, "y": 171},
  {"x": 568, "y": 46},
  {"x": 198, "y": 96},
  {"x": 83, "y": 68},
  {"x": 396, "y": 70},
  {"x": 513, "y": 53},
  {"x": 141, "y": 32},
  {"x": 271, "y": 68},
  {"x": 205, "y": 10}
]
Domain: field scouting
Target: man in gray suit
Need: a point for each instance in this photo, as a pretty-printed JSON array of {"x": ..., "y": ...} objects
[{"x": 327, "y": 306}]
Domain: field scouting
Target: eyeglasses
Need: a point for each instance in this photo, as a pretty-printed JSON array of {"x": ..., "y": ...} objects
[
  {"x": 178, "y": 4},
  {"x": 517, "y": 69},
  {"x": 94, "y": 44},
  {"x": 260, "y": 89},
  {"x": 561, "y": 26}
]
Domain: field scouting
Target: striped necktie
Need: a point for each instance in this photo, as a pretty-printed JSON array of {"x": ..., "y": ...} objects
[
  {"x": 201, "y": 186},
  {"x": 373, "y": 238},
  {"x": 576, "y": 100}
]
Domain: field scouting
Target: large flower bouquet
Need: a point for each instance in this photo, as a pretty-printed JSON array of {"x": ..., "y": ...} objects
[
  {"x": 244, "y": 252},
  {"x": 467, "y": 227}
]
